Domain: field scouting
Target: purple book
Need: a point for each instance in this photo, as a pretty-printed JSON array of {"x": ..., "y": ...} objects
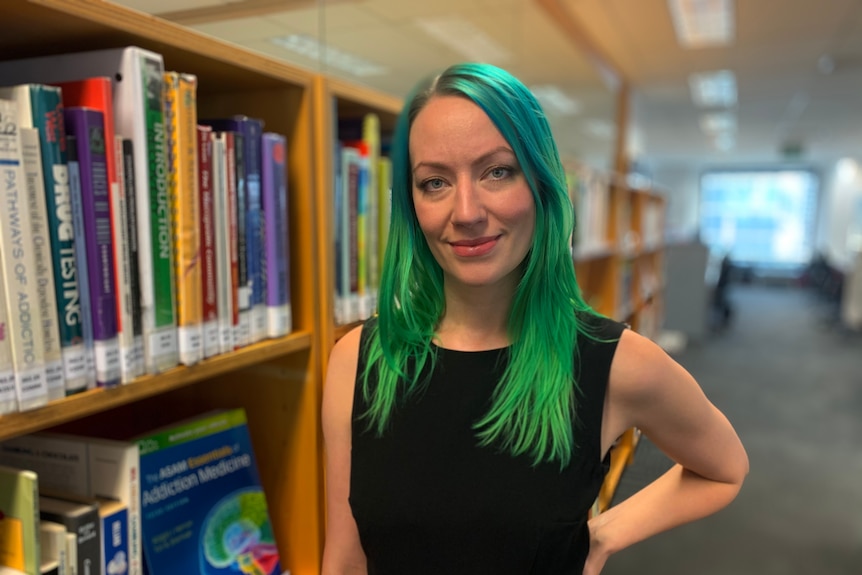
[
  {"x": 87, "y": 126},
  {"x": 276, "y": 234}
]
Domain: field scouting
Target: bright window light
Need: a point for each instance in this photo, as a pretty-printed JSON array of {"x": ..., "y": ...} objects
[
  {"x": 713, "y": 89},
  {"x": 702, "y": 23},
  {"x": 313, "y": 49}
]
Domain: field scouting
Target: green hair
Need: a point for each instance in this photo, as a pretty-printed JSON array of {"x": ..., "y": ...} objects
[{"x": 532, "y": 410}]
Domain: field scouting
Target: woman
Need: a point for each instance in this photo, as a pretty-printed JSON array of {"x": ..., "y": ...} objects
[{"x": 468, "y": 426}]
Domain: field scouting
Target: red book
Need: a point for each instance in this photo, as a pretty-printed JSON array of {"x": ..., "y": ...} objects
[{"x": 209, "y": 295}]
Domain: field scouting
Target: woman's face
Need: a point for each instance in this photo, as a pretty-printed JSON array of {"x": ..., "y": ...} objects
[{"x": 471, "y": 199}]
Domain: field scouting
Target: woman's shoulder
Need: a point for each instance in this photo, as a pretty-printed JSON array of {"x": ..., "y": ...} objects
[{"x": 599, "y": 328}]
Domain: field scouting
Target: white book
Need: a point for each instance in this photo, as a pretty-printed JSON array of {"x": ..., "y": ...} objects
[
  {"x": 8, "y": 397},
  {"x": 73, "y": 349},
  {"x": 53, "y": 549},
  {"x": 137, "y": 76},
  {"x": 18, "y": 259},
  {"x": 54, "y": 377},
  {"x": 222, "y": 210}
]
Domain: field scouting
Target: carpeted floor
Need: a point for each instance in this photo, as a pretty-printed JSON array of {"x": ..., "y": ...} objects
[{"x": 790, "y": 380}]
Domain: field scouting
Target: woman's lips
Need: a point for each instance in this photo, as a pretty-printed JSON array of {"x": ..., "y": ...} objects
[{"x": 474, "y": 247}]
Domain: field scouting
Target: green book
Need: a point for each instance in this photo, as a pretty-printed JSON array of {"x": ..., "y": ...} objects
[{"x": 19, "y": 520}]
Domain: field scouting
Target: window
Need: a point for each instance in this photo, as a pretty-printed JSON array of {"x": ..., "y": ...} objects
[{"x": 764, "y": 219}]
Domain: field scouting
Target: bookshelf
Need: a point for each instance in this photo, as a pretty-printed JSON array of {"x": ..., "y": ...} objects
[
  {"x": 277, "y": 381},
  {"x": 338, "y": 100}
]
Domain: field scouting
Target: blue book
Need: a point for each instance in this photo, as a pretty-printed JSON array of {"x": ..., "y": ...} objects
[
  {"x": 276, "y": 235},
  {"x": 203, "y": 511}
]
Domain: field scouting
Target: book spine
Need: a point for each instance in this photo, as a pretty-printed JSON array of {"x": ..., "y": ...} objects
[
  {"x": 115, "y": 541},
  {"x": 181, "y": 128},
  {"x": 207, "y": 231},
  {"x": 351, "y": 166},
  {"x": 154, "y": 238},
  {"x": 252, "y": 133},
  {"x": 19, "y": 263},
  {"x": 276, "y": 239},
  {"x": 130, "y": 187},
  {"x": 339, "y": 206},
  {"x": 44, "y": 272},
  {"x": 384, "y": 204},
  {"x": 128, "y": 364},
  {"x": 223, "y": 219},
  {"x": 76, "y": 203},
  {"x": 240, "y": 193},
  {"x": 87, "y": 529},
  {"x": 8, "y": 397},
  {"x": 371, "y": 137},
  {"x": 47, "y": 106},
  {"x": 239, "y": 290},
  {"x": 87, "y": 126}
]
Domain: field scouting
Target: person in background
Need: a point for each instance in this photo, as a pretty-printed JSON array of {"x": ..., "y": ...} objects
[{"x": 468, "y": 425}]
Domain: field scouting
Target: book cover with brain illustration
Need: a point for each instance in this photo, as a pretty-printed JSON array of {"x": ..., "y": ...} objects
[{"x": 203, "y": 510}]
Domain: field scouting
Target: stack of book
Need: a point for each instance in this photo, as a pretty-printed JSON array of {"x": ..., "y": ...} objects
[{"x": 134, "y": 235}]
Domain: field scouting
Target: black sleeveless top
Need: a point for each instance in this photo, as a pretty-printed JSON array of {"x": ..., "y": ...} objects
[{"x": 427, "y": 499}]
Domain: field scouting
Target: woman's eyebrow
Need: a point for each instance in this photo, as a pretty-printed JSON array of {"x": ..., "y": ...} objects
[{"x": 480, "y": 160}]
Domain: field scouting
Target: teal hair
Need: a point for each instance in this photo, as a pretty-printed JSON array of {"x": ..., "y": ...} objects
[{"x": 532, "y": 411}]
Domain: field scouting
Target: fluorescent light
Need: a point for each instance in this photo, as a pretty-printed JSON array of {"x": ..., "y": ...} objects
[
  {"x": 702, "y": 23},
  {"x": 463, "y": 37},
  {"x": 312, "y": 48},
  {"x": 713, "y": 89},
  {"x": 555, "y": 100},
  {"x": 718, "y": 122}
]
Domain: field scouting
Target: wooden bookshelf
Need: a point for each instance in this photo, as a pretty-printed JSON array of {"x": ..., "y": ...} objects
[{"x": 278, "y": 382}]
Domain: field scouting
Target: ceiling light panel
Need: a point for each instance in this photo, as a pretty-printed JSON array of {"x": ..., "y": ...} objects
[
  {"x": 555, "y": 101},
  {"x": 713, "y": 89},
  {"x": 464, "y": 38},
  {"x": 329, "y": 56},
  {"x": 702, "y": 23},
  {"x": 718, "y": 123}
]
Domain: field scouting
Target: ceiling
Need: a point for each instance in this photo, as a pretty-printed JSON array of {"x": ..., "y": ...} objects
[{"x": 784, "y": 102}]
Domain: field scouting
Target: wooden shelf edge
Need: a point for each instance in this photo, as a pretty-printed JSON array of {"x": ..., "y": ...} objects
[
  {"x": 102, "y": 399},
  {"x": 621, "y": 456}
]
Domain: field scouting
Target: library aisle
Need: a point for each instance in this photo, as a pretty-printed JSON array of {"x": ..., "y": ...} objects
[{"x": 790, "y": 380}]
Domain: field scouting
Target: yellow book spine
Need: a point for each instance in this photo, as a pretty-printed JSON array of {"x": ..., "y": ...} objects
[{"x": 181, "y": 121}]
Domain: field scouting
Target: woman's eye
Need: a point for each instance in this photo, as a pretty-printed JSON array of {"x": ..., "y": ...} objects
[
  {"x": 432, "y": 184},
  {"x": 499, "y": 173}
]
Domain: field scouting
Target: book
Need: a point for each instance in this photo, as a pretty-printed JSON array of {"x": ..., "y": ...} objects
[
  {"x": 19, "y": 520},
  {"x": 137, "y": 76},
  {"x": 248, "y": 150},
  {"x": 226, "y": 245},
  {"x": 53, "y": 552},
  {"x": 127, "y": 161},
  {"x": 351, "y": 166},
  {"x": 8, "y": 395},
  {"x": 276, "y": 234},
  {"x": 18, "y": 259},
  {"x": 203, "y": 508},
  {"x": 182, "y": 162},
  {"x": 82, "y": 519},
  {"x": 371, "y": 137},
  {"x": 32, "y": 157},
  {"x": 77, "y": 207},
  {"x": 97, "y": 93},
  {"x": 113, "y": 530},
  {"x": 84, "y": 466},
  {"x": 41, "y": 106},
  {"x": 384, "y": 204},
  {"x": 87, "y": 126},
  {"x": 207, "y": 231}
]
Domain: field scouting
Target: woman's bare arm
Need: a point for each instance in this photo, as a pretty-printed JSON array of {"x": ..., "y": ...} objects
[{"x": 650, "y": 391}]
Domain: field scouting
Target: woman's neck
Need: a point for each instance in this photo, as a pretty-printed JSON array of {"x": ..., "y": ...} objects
[{"x": 475, "y": 319}]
